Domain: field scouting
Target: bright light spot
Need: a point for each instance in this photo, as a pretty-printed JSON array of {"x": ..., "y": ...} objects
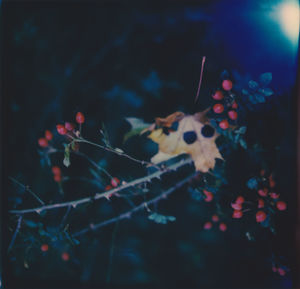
[{"x": 289, "y": 19}]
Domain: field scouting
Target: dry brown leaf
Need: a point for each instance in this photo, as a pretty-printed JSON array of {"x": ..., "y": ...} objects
[{"x": 179, "y": 133}]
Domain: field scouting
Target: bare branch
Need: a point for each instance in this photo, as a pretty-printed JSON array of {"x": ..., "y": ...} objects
[
  {"x": 106, "y": 194},
  {"x": 126, "y": 215},
  {"x": 15, "y": 233}
]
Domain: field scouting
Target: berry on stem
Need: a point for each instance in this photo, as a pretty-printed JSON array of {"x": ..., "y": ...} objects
[
  {"x": 207, "y": 225},
  {"x": 56, "y": 170},
  {"x": 274, "y": 195},
  {"x": 48, "y": 135},
  {"x": 80, "y": 117},
  {"x": 218, "y": 108},
  {"x": 209, "y": 196},
  {"x": 224, "y": 124},
  {"x": 263, "y": 192},
  {"x": 223, "y": 227},
  {"x": 240, "y": 200},
  {"x": 234, "y": 105},
  {"x": 227, "y": 84},
  {"x": 237, "y": 214},
  {"x": 108, "y": 187},
  {"x": 115, "y": 182},
  {"x": 57, "y": 178},
  {"x": 236, "y": 206},
  {"x": 271, "y": 182},
  {"x": 260, "y": 216},
  {"x": 65, "y": 256},
  {"x": 281, "y": 271},
  {"x": 44, "y": 248},
  {"x": 218, "y": 95},
  {"x": 215, "y": 218},
  {"x": 232, "y": 114},
  {"x": 69, "y": 126},
  {"x": 281, "y": 206},
  {"x": 261, "y": 203},
  {"x": 61, "y": 129},
  {"x": 42, "y": 142}
]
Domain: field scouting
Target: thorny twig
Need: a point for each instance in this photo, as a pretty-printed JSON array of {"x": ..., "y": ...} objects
[
  {"x": 15, "y": 233},
  {"x": 26, "y": 188},
  {"x": 106, "y": 194},
  {"x": 126, "y": 215}
]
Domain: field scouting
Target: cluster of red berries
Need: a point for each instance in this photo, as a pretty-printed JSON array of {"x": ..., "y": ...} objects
[
  {"x": 114, "y": 182},
  {"x": 215, "y": 218},
  {"x": 68, "y": 126},
  {"x": 218, "y": 108},
  {"x": 64, "y": 256},
  {"x": 237, "y": 206},
  {"x": 265, "y": 192},
  {"x": 56, "y": 174},
  {"x": 281, "y": 271},
  {"x": 43, "y": 141}
]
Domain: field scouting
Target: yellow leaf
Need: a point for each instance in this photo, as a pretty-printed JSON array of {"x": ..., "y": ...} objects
[{"x": 191, "y": 134}]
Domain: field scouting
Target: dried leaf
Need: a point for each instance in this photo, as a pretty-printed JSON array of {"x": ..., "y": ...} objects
[{"x": 191, "y": 136}]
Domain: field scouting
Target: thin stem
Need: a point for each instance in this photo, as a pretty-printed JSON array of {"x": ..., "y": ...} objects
[
  {"x": 65, "y": 216},
  {"x": 111, "y": 253},
  {"x": 106, "y": 194},
  {"x": 116, "y": 152},
  {"x": 26, "y": 188},
  {"x": 126, "y": 215},
  {"x": 200, "y": 80},
  {"x": 15, "y": 233}
]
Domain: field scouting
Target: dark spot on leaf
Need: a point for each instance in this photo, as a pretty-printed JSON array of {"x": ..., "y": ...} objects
[
  {"x": 174, "y": 126},
  {"x": 207, "y": 131},
  {"x": 189, "y": 137}
]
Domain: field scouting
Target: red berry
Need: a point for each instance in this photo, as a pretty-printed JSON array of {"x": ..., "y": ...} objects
[
  {"x": 218, "y": 95},
  {"x": 263, "y": 192},
  {"x": 61, "y": 129},
  {"x": 223, "y": 227},
  {"x": 237, "y": 214},
  {"x": 57, "y": 178},
  {"x": 260, "y": 216},
  {"x": 48, "y": 135},
  {"x": 80, "y": 117},
  {"x": 281, "y": 206},
  {"x": 261, "y": 203},
  {"x": 271, "y": 182},
  {"x": 240, "y": 200},
  {"x": 114, "y": 182},
  {"x": 65, "y": 256},
  {"x": 232, "y": 114},
  {"x": 274, "y": 195},
  {"x": 43, "y": 142},
  {"x": 209, "y": 196},
  {"x": 207, "y": 225},
  {"x": 224, "y": 124},
  {"x": 236, "y": 206},
  {"x": 56, "y": 170},
  {"x": 274, "y": 269},
  {"x": 234, "y": 105},
  {"x": 281, "y": 271},
  {"x": 69, "y": 126},
  {"x": 215, "y": 218},
  {"x": 262, "y": 172},
  {"x": 227, "y": 84},
  {"x": 44, "y": 248},
  {"x": 218, "y": 108},
  {"x": 108, "y": 187}
]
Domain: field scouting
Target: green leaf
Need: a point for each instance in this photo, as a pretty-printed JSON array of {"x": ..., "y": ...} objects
[
  {"x": 66, "y": 160},
  {"x": 259, "y": 98},
  {"x": 245, "y": 91},
  {"x": 137, "y": 126},
  {"x": 265, "y": 78},
  {"x": 241, "y": 130},
  {"x": 161, "y": 219},
  {"x": 253, "y": 84}
]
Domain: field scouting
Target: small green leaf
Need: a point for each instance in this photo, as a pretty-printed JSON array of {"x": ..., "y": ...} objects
[
  {"x": 253, "y": 84},
  {"x": 66, "y": 160},
  {"x": 266, "y": 91},
  {"x": 245, "y": 91},
  {"x": 259, "y": 98},
  {"x": 161, "y": 219},
  {"x": 119, "y": 150},
  {"x": 241, "y": 130},
  {"x": 137, "y": 126},
  {"x": 243, "y": 143},
  {"x": 265, "y": 78}
]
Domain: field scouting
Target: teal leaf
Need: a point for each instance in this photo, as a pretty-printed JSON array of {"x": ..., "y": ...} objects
[
  {"x": 259, "y": 98},
  {"x": 161, "y": 219},
  {"x": 252, "y": 183},
  {"x": 243, "y": 143},
  {"x": 245, "y": 91},
  {"x": 265, "y": 78},
  {"x": 241, "y": 130},
  {"x": 66, "y": 160},
  {"x": 253, "y": 84},
  {"x": 266, "y": 91}
]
